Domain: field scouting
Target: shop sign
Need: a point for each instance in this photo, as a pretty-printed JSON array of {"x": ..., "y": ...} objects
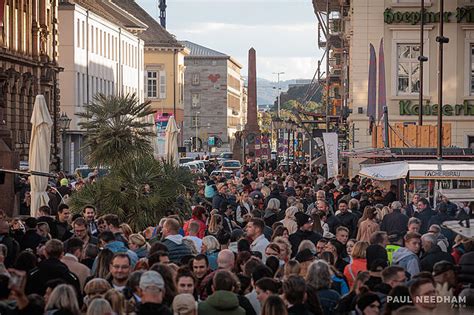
[
  {"x": 461, "y": 15},
  {"x": 409, "y": 109},
  {"x": 454, "y": 174}
]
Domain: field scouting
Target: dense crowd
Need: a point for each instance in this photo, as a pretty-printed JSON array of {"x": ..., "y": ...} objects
[{"x": 263, "y": 241}]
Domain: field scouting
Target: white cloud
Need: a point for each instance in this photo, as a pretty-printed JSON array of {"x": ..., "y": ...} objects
[{"x": 294, "y": 67}]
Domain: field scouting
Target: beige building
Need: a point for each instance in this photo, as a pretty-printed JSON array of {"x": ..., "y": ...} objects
[
  {"x": 163, "y": 64},
  {"x": 397, "y": 23}
]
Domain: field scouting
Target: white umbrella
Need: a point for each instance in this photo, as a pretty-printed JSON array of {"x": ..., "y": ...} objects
[
  {"x": 171, "y": 142},
  {"x": 39, "y": 157}
]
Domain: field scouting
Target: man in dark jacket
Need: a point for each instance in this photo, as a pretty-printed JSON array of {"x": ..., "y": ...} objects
[
  {"x": 432, "y": 253},
  {"x": 220, "y": 199},
  {"x": 174, "y": 241},
  {"x": 304, "y": 232},
  {"x": 31, "y": 239},
  {"x": 412, "y": 207},
  {"x": 152, "y": 291},
  {"x": 49, "y": 269},
  {"x": 12, "y": 246},
  {"x": 424, "y": 214},
  {"x": 395, "y": 221},
  {"x": 347, "y": 219},
  {"x": 332, "y": 221}
]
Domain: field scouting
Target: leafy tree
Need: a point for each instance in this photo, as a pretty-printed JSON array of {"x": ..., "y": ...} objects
[
  {"x": 116, "y": 129},
  {"x": 139, "y": 189}
]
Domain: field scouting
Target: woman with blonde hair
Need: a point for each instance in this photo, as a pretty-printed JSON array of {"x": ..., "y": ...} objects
[
  {"x": 358, "y": 264},
  {"x": 285, "y": 248},
  {"x": 116, "y": 301},
  {"x": 292, "y": 268},
  {"x": 139, "y": 245},
  {"x": 271, "y": 212},
  {"x": 289, "y": 221},
  {"x": 63, "y": 300},
  {"x": 274, "y": 305},
  {"x": 367, "y": 226},
  {"x": 126, "y": 230},
  {"x": 215, "y": 223},
  {"x": 95, "y": 288},
  {"x": 104, "y": 259},
  {"x": 100, "y": 307},
  {"x": 210, "y": 247}
]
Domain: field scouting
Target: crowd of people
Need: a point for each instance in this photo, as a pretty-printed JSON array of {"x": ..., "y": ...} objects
[{"x": 261, "y": 242}]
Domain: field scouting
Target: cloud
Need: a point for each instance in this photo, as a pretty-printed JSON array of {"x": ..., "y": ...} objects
[{"x": 294, "y": 67}]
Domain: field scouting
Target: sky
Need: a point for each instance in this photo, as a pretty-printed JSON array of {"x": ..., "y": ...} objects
[{"x": 283, "y": 32}]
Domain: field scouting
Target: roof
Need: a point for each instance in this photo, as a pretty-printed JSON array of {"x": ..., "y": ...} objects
[
  {"x": 112, "y": 13},
  {"x": 155, "y": 35},
  {"x": 201, "y": 51}
]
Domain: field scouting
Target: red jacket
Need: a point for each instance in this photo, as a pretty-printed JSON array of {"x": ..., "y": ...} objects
[
  {"x": 351, "y": 270},
  {"x": 202, "y": 227}
]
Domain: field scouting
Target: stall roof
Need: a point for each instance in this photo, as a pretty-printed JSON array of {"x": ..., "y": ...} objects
[
  {"x": 420, "y": 169},
  {"x": 461, "y": 230}
]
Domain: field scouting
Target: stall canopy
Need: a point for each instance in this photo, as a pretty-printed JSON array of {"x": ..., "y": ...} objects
[{"x": 428, "y": 169}]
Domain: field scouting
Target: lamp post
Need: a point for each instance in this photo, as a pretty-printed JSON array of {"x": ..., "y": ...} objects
[
  {"x": 63, "y": 123},
  {"x": 279, "y": 90},
  {"x": 277, "y": 123},
  {"x": 289, "y": 127},
  {"x": 196, "y": 138}
]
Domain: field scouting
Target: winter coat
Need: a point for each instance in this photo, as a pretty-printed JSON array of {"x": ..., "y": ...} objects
[
  {"x": 202, "y": 227},
  {"x": 434, "y": 255},
  {"x": 407, "y": 259},
  {"x": 425, "y": 217},
  {"x": 152, "y": 309},
  {"x": 119, "y": 247},
  {"x": 328, "y": 299},
  {"x": 351, "y": 270},
  {"x": 349, "y": 220},
  {"x": 218, "y": 200},
  {"x": 466, "y": 264},
  {"x": 50, "y": 269},
  {"x": 221, "y": 303},
  {"x": 299, "y": 236},
  {"x": 176, "y": 249},
  {"x": 394, "y": 222}
]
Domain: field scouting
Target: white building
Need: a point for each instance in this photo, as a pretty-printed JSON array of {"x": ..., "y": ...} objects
[{"x": 100, "y": 52}]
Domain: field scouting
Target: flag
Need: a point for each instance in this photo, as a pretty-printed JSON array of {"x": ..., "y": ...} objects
[
  {"x": 382, "y": 89},
  {"x": 331, "y": 149},
  {"x": 371, "y": 99}
]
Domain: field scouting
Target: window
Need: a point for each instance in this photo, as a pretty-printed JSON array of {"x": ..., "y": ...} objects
[
  {"x": 195, "y": 121},
  {"x": 92, "y": 39},
  {"x": 152, "y": 83},
  {"x": 79, "y": 92},
  {"x": 83, "y": 35},
  {"x": 78, "y": 33},
  {"x": 195, "y": 100},
  {"x": 408, "y": 69},
  {"x": 162, "y": 84},
  {"x": 471, "y": 86},
  {"x": 84, "y": 90},
  {"x": 195, "y": 79}
]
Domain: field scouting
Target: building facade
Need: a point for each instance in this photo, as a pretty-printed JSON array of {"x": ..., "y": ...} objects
[
  {"x": 28, "y": 67},
  {"x": 101, "y": 52},
  {"x": 214, "y": 101},
  {"x": 393, "y": 26},
  {"x": 163, "y": 65}
]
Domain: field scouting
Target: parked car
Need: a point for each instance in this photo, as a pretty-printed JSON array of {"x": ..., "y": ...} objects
[
  {"x": 231, "y": 165},
  {"x": 227, "y": 174}
]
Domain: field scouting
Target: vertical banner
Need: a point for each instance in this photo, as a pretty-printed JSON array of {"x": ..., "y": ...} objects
[
  {"x": 330, "y": 146},
  {"x": 161, "y": 122},
  {"x": 382, "y": 88},
  {"x": 372, "y": 91}
]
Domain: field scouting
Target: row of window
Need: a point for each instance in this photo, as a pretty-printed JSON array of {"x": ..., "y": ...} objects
[
  {"x": 96, "y": 85},
  {"x": 408, "y": 69},
  {"x": 106, "y": 45}
]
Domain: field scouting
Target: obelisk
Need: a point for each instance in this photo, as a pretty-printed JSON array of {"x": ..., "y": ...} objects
[{"x": 252, "y": 130}]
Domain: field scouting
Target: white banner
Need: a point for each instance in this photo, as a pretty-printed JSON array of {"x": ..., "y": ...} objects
[{"x": 330, "y": 146}]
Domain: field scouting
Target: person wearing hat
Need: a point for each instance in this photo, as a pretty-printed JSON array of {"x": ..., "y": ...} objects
[
  {"x": 152, "y": 290},
  {"x": 184, "y": 304},
  {"x": 304, "y": 232},
  {"x": 445, "y": 272}
]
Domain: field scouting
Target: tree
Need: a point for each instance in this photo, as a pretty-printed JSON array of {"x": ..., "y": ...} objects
[
  {"x": 116, "y": 129},
  {"x": 139, "y": 189}
]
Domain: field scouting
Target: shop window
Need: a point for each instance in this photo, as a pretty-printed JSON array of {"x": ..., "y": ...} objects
[{"x": 408, "y": 69}]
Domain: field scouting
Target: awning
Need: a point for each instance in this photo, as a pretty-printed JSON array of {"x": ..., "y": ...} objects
[
  {"x": 458, "y": 229},
  {"x": 427, "y": 169}
]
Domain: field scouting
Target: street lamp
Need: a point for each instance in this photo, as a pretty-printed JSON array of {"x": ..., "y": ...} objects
[
  {"x": 196, "y": 139},
  {"x": 279, "y": 90},
  {"x": 63, "y": 123},
  {"x": 277, "y": 124}
]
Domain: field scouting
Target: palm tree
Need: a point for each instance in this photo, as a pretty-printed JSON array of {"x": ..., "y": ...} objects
[
  {"x": 139, "y": 192},
  {"x": 116, "y": 130}
]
